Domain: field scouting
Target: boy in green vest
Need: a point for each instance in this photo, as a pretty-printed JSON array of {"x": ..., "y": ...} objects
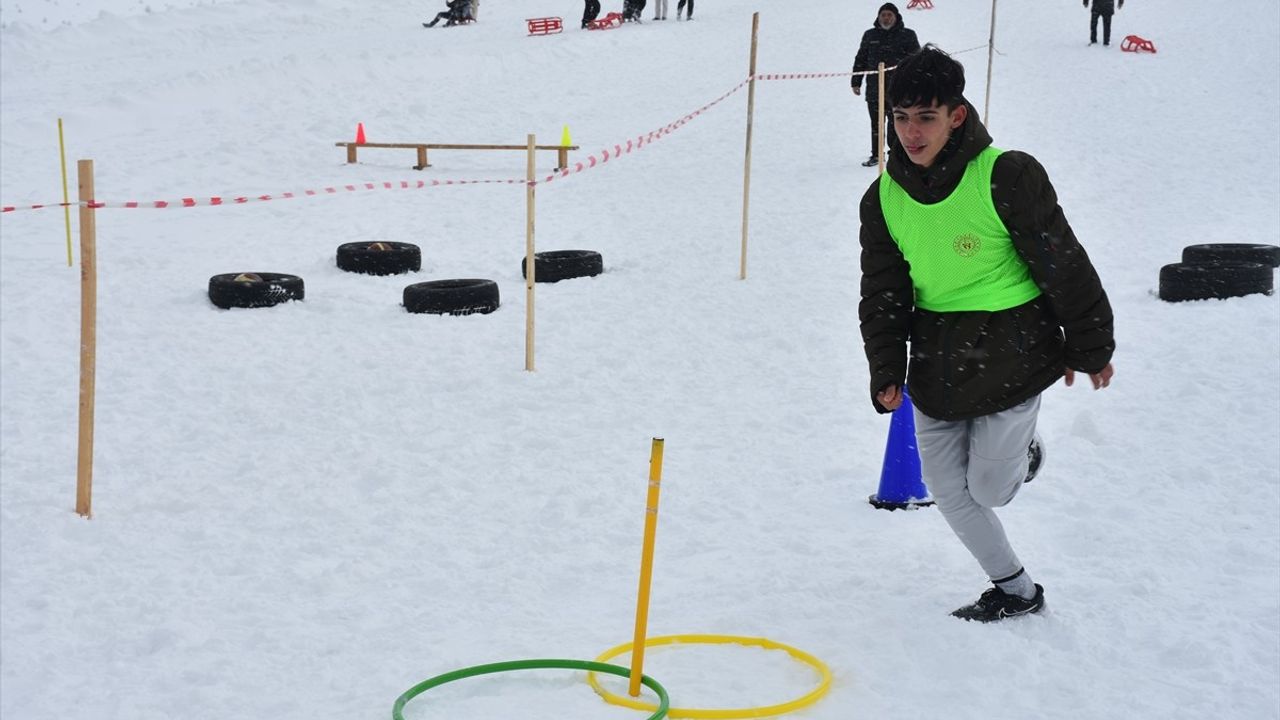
[{"x": 969, "y": 260}]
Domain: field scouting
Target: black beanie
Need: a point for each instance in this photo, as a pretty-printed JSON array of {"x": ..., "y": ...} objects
[{"x": 889, "y": 6}]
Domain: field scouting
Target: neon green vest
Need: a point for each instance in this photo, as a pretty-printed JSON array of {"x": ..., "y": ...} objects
[{"x": 960, "y": 253}]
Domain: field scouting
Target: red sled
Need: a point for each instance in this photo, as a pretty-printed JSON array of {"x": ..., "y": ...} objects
[
  {"x": 1133, "y": 43},
  {"x": 545, "y": 26},
  {"x": 608, "y": 22},
  {"x": 920, "y": 5}
]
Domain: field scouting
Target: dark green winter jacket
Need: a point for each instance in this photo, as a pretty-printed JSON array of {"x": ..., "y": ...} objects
[{"x": 967, "y": 364}]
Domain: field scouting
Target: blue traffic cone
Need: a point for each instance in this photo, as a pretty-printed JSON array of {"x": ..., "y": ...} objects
[{"x": 901, "y": 485}]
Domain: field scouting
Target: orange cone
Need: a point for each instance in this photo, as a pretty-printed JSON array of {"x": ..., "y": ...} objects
[{"x": 359, "y": 133}]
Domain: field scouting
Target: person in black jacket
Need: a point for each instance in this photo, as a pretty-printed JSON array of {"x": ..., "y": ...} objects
[
  {"x": 888, "y": 41},
  {"x": 968, "y": 261},
  {"x": 1101, "y": 9}
]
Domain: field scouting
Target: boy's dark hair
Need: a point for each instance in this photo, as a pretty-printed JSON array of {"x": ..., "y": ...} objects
[{"x": 928, "y": 75}]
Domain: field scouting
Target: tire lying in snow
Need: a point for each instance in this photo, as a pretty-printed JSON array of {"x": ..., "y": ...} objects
[
  {"x": 254, "y": 290},
  {"x": 556, "y": 265},
  {"x": 1205, "y": 281},
  {"x": 452, "y": 297},
  {"x": 379, "y": 258},
  {"x": 1232, "y": 252}
]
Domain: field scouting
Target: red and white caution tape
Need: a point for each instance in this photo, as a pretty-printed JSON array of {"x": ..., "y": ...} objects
[
  {"x": 243, "y": 199},
  {"x": 11, "y": 208},
  {"x": 590, "y": 162},
  {"x": 639, "y": 142},
  {"x": 809, "y": 76}
]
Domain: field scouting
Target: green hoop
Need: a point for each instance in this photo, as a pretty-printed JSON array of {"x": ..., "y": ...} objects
[{"x": 664, "y": 702}]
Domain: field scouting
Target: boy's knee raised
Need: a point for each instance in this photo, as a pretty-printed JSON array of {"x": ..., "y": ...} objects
[{"x": 993, "y": 483}]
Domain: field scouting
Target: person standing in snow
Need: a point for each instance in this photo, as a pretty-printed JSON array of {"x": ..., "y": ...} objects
[
  {"x": 589, "y": 12},
  {"x": 660, "y": 10},
  {"x": 680, "y": 8},
  {"x": 968, "y": 261},
  {"x": 888, "y": 41},
  {"x": 1101, "y": 9}
]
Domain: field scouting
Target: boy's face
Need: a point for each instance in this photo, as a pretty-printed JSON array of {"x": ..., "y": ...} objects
[{"x": 923, "y": 130}]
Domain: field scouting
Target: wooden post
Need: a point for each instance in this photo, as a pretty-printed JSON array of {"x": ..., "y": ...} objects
[
  {"x": 646, "y": 566},
  {"x": 422, "y": 158},
  {"x": 88, "y": 336},
  {"x": 530, "y": 267},
  {"x": 991, "y": 50},
  {"x": 562, "y": 158},
  {"x": 883, "y": 134},
  {"x": 746, "y": 169},
  {"x": 351, "y": 153}
]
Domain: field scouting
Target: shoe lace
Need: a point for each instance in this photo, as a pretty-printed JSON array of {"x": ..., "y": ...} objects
[{"x": 989, "y": 598}]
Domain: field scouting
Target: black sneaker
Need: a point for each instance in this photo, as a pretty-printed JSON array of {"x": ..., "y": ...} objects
[
  {"x": 995, "y": 605},
  {"x": 1035, "y": 458},
  {"x": 871, "y": 161}
]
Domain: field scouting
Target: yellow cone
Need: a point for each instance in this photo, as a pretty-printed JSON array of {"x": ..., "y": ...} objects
[{"x": 565, "y": 141}]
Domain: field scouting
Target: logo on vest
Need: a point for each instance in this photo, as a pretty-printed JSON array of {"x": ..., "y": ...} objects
[{"x": 967, "y": 245}]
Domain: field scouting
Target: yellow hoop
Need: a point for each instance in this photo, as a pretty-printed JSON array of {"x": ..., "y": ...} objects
[{"x": 717, "y": 713}]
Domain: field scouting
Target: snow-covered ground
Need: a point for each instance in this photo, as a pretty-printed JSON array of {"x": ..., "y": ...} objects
[{"x": 300, "y": 512}]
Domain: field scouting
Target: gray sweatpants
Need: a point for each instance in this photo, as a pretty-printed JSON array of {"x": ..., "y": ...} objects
[{"x": 972, "y": 466}]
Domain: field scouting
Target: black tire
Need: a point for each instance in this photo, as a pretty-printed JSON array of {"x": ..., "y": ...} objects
[
  {"x": 1215, "y": 280},
  {"x": 254, "y": 290},
  {"x": 556, "y": 265},
  {"x": 379, "y": 258},
  {"x": 452, "y": 297},
  {"x": 1268, "y": 255}
]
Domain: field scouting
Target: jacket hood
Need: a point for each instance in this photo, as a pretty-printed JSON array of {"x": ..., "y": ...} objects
[
  {"x": 934, "y": 183},
  {"x": 897, "y": 23}
]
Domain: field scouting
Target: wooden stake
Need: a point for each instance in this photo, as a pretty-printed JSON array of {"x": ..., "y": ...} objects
[
  {"x": 991, "y": 50},
  {"x": 646, "y": 566},
  {"x": 88, "y": 336},
  {"x": 746, "y": 169},
  {"x": 880, "y": 119},
  {"x": 530, "y": 267}
]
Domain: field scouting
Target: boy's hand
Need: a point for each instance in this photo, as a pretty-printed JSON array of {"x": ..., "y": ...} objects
[
  {"x": 890, "y": 398},
  {"x": 857, "y": 90},
  {"x": 1099, "y": 379}
]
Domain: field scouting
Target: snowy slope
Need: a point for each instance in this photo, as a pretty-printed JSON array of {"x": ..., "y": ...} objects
[{"x": 303, "y": 511}]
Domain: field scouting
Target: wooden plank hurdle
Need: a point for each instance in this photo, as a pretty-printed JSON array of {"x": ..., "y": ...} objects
[{"x": 562, "y": 151}]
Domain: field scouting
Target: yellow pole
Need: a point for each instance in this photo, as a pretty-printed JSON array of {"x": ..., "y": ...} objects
[
  {"x": 880, "y": 120},
  {"x": 991, "y": 51},
  {"x": 746, "y": 163},
  {"x": 646, "y": 566},
  {"x": 529, "y": 264},
  {"x": 88, "y": 337},
  {"x": 66, "y": 208}
]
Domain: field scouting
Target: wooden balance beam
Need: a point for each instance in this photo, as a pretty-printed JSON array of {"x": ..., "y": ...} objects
[{"x": 562, "y": 151}]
